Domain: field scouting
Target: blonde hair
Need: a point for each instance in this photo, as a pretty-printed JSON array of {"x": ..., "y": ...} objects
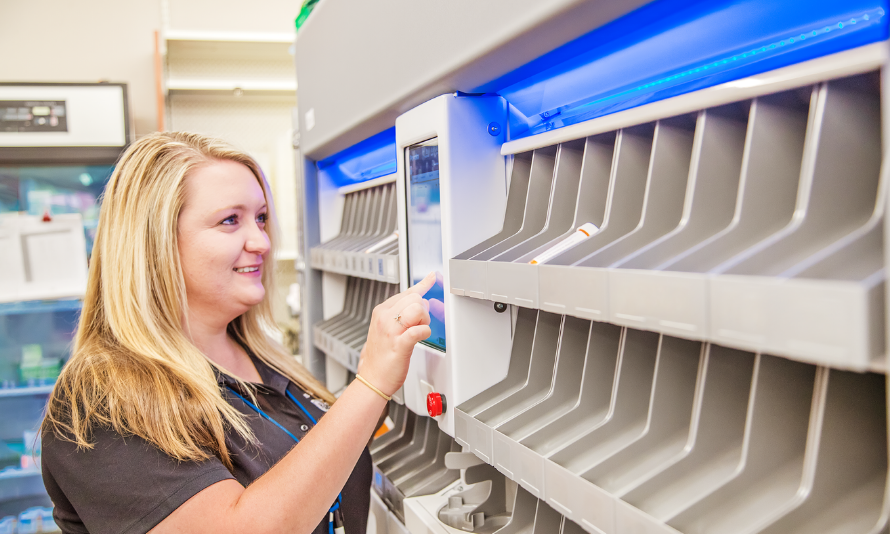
[{"x": 133, "y": 368}]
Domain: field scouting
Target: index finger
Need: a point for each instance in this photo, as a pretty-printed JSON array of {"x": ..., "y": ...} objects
[{"x": 419, "y": 288}]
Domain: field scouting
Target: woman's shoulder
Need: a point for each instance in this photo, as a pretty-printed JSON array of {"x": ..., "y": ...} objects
[{"x": 120, "y": 483}]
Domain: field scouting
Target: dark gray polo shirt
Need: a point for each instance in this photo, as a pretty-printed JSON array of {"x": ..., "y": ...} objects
[{"x": 125, "y": 485}]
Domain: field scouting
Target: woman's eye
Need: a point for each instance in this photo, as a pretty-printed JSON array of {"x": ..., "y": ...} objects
[
  {"x": 261, "y": 218},
  {"x": 233, "y": 219}
]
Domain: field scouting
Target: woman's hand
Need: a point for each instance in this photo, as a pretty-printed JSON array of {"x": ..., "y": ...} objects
[{"x": 387, "y": 353}]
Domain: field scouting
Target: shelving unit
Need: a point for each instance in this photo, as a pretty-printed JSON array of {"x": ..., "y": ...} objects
[
  {"x": 411, "y": 463},
  {"x": 342, "y": 337},
  {"x": 624, "y": 430},
  {"x": 52, "y": 185},
  {"x": 228, "y": 61},
  {"x": 756, "y": 225},
  {"x": 367, "y": 245},
  {"x": 713, "y": 358},
  {"x": 409, "y": 460}
]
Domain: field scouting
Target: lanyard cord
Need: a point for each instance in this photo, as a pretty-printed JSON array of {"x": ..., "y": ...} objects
[
  {"x": 264, "y": 415},
  {"x": 300, "y": 405},
  {"x": 267, "y": 417}
]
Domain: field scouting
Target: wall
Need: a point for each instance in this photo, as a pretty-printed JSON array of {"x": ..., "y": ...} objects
[
  {"x": 92, "y": 40},
  {"x": 84, "y": 41}
]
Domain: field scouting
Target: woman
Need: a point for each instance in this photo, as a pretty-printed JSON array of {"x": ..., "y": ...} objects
[{"x": 176, "y": 413}]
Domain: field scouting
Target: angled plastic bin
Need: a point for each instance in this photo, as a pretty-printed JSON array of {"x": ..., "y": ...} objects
[
  {"x": 583, "y": 288},
  {"x": 470, "y": 432},
  {"x": 643, "y": 297},
  {"x": 469, "y": 277},
  {"x": 367, "y": 227},
  {"x": 713, "y": 448},
  {"x": 405, "y": 435},
  {"x": 423, "y": 436},
  {"x": 754, "y": 305},
  {"x": 517, "y": 461},
  {"x": 845, "y": 483},
  {"x": 678, "y": 376},
  {"x": 631, "y": 404},
  {"x": 575, "y": 497},
  {"x": 343, "y": 336},
  {"x": 772, "y": 466},
  {"x": 565, "y": 289},
  {"x": 768, "y": 184},
  {"x": 595, "y": 398},
  {"x": 516, "y": 282},
  {"x": 418, "y": 458},
  {"x": 398, "y": 415},
  {"x": 431, "y": 475},
  {"x": 537, "y": 207},
  {"x": 536, "y": 387},
  {"x": 522, "y": 520}
]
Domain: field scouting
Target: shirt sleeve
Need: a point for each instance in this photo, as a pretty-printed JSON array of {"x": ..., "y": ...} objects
[{"x": 121, "y": 485}]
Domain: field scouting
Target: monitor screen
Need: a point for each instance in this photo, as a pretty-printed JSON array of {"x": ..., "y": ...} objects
[{"x": 425, "y": 231}]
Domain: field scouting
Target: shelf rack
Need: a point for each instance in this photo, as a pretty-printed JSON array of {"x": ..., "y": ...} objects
[
  {"x": 342, "y": 337},
  {"x": 626, "y": 430},
  {"x": 409, "y": 460},
  {"x": 757, "y": 225},
  {"x": 410, "y": 463},
  {"x": 200, "y": 61},
  {"x": 367, "y": 245},
  {"x": 45, "y": 389}
]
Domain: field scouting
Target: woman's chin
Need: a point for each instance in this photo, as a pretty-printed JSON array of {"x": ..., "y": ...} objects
[{"x": 251, "y": 298}]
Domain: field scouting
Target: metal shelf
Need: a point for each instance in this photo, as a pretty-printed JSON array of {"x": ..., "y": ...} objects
[
  {"x": 40, "y": 306},
  {"x": 27, "y": 390}
]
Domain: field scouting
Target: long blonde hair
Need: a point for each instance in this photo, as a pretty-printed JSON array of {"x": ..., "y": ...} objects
[{"x": 133, "y": 368}]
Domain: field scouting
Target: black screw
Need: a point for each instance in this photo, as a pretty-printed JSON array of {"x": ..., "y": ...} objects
[{"x": 500, "y": 307}]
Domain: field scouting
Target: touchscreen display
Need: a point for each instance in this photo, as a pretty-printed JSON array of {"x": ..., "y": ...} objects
[{"x": 425, "y": 231}]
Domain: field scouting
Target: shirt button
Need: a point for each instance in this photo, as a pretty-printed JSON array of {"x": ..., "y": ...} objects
[{"x": 304, "y": 428}]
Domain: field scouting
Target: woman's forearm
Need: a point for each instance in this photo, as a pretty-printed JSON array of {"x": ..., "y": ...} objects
[{"x": 296, "y": 493}]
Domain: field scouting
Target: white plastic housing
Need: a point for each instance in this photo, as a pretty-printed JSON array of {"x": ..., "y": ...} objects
[{"x": 473, "y": 192}]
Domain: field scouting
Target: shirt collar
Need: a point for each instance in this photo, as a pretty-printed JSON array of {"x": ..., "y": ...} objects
[{"x": 271, "y": 379}]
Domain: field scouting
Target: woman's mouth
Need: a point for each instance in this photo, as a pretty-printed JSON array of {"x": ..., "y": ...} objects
[{"x": 246, "y": 269}]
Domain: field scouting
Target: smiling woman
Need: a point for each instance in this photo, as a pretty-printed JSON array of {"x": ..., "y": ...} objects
[
  {"x": 222, "y": 246},
  {"x": 176, "y": 412}
]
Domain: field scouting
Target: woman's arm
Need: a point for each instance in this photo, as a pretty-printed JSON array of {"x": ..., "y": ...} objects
[{"x": 295, "y": 494}]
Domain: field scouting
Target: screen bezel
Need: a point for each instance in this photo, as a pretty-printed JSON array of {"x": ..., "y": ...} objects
[{"x": 405, "y": 155}]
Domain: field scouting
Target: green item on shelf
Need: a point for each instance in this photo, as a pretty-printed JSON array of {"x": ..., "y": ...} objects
[
  {"x": 31, "y": 355},
  {"x": 35, "y": 367},
  {"x": 305, "y": 11},
  {"x": 45, "y": 370}
]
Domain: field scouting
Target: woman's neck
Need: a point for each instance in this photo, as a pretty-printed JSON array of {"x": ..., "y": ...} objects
[{"x": 216, "y": 344}]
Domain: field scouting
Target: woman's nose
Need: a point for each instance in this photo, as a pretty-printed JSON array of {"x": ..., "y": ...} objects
[{"x": 257, "y": 241}]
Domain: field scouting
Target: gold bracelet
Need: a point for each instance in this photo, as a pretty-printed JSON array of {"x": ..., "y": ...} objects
[{"x": 361, "y": 379}]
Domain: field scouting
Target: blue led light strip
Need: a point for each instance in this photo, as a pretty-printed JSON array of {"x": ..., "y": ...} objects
[
  {"x": 671, "y": 47},
  {"x": 873, "y": 17}
]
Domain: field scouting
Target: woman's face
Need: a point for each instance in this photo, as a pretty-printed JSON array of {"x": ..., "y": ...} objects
[{"x": 222, "y": 241}]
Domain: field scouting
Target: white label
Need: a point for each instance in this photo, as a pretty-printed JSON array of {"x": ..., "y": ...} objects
[{"x": 309, "y": 119}]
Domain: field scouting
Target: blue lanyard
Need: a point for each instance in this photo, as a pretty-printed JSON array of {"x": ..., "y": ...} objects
[{"x": 269, "y": 418}]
